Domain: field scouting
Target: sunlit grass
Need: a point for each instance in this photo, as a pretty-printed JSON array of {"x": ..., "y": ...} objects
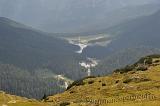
[{"x": 114, "y": 86}]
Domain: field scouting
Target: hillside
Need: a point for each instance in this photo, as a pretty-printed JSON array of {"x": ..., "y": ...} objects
[
  {"x": 36, "y": 48},
  {"x": 142, "y": 31},
  {"x": 134, "y": 85},
  {"x": 122, "y": 58},
  {"x": 17, "y": 81},
  {"x": 12, "y": 100},
  {"x": 133, "y": 39},
  {"x": 25, "y": 51}
]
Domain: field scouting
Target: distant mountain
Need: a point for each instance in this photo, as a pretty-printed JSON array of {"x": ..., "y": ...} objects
[
  {"x": 132, "y": 40},
  {"x": 123, "y": 57},
  {"x": 130, "y": 33},
  {"x": 75, "y": 16},
  {"x": 143, "y": 31},
  {"x": 118, "y": 16}
]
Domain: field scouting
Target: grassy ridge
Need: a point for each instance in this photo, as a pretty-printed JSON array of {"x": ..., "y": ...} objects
[
  {"x": 130, "y": 88},
  {"x": 116, "y": 89},
  {"x": 11, "y": 100}
]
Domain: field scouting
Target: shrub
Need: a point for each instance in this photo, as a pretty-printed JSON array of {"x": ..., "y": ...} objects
[
  {"x": 103, "y": 84},
  {"x": 154, "y": 56},
  {"x": 142, "y": 68},
  {"x": 79, "y": 82},
  {"x": 117, "y": 81},
  {"x": 44, "y": 97},
  {"x": 148, "y": 61},
  {"x": 99, "y": 81},
  {"x": 128, "y": 68},
  {"x": 157, "y": 61},
  {"x": 64, "y": 104},
  {"x": 127, "y": 80},
  {"x": 72, "y": 92},
  {"x": 125, "y": 70},
  {"x": 89, "y": 77},
  {"x": 117, "y": 71},
  {"x": 76, "y": 83},
  {"x": 137, "y": 80},
  {"x": 90, "y": 82}
]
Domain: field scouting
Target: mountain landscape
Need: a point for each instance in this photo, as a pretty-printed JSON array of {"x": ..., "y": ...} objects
[
  {"x": 134, "y": 85},
  {"x": 79, "y": 53}
]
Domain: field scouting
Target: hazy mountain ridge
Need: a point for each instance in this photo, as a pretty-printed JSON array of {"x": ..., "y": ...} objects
[
  {"x": 141, "y": 31},
  {"x": 133, "y": 38},
  {"x": 72, "y": 16}
]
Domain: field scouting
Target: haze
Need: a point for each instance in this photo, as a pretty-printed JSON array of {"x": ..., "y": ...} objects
[{"x": 63, "y": 15}]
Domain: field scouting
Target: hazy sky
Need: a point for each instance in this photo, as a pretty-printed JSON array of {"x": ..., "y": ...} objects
[{"x": 58, "y": 13}]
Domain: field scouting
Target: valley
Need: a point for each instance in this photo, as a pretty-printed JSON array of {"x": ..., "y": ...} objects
[
  {"x": 79, "y": 53},
  {"x": 90, "y": 40},
  {"x": 48, "y": 58}
]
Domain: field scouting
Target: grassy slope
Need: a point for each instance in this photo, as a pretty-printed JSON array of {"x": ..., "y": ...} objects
[
  {"x": 116, "y": 87},
  {"x": 11, "y": 100},
  {"x": 143, "y": 82}
]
